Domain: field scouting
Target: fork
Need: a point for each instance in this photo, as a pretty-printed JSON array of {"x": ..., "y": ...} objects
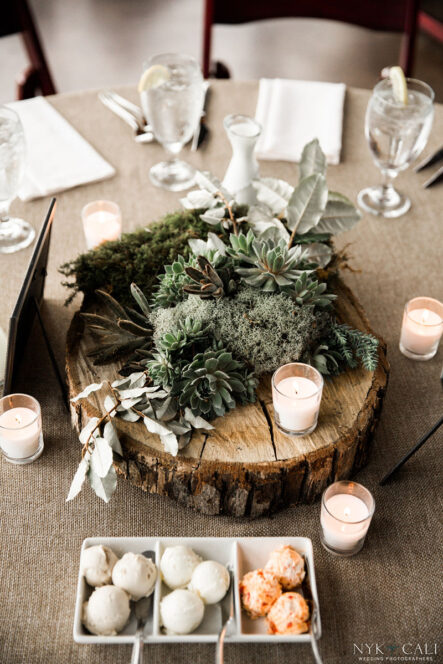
[
  {"x": 131, "y": 108},
  {"x": 141, "y": 611},
  {"x": 313, "y": 632},
  {"x": 227, "y": 625},
  {"x": 140, "y": 135}
]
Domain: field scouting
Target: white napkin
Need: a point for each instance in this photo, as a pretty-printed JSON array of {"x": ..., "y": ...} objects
[
  {"x": 292, "y": 113},
  {"x": 57, "y": 157}
]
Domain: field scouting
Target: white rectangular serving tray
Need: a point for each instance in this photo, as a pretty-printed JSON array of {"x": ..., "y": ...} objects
[{"x": 241, "y": 554}]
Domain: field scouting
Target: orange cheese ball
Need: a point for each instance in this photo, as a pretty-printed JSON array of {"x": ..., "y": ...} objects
[
  {"x": 259, "y": 590},
  {"x": 289, "y": 615},
  {"x": 288, "y": 566}
]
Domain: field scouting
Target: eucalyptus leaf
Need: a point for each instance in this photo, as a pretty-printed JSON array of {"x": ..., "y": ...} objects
[
  {"x": 129, "y": 416},
  {"x": 130, "y": 403},
  {"x": 214, "y": 216},
  {"x": 136, "y": 377},
  {"x": 307, "y": 203},
  {"x": 170, "y": 443},
  {"x": 101, "y": 457},
  {"x": 167, "y": 410},
  {"x": 213, "y": 185},
  {"x": 104, "y": 487},
  {"x": 273, "y": 193},
  {"x": 88, "y": 429},
  {"x": 312, "y": 160},
  {"x": 134, "y": 392},
  {"x": 217, "y": 243},
  {"x": 79, "y": 477},
  {"x": 196, "y": 421},
  {"x": 153, "y": 426},
  {"x": 110, "y": 435},
  {"x": 340, "y": 215},
  {"x": 318, "y": 253},
  {"x": 94, "y": 387},
  {"x": 179, "y": 428},
  {"x": 184, "y": 439},
  {"x": 198, "y": 199},
  {"x": 122, "y": 382},
  {"x": 110, "y": 403}
]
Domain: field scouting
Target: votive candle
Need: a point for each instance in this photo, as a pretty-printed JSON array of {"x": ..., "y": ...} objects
[
  {"x": 102, "y": 222},
  {"x": 296, "y": 394},
  {"x": 21, "y": 438},
  {"x": 422, "y": 328},
  {"x": 346, "y": 512}
]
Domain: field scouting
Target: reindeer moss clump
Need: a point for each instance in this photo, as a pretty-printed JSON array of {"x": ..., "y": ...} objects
[
  {"x": 265, "y": 330},
  {"x": 138, "y": 257}
]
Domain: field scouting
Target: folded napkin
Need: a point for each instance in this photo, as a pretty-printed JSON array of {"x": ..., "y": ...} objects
[
  {"x": 57, "y": 157},
  {"x": 292, "y": 113}
]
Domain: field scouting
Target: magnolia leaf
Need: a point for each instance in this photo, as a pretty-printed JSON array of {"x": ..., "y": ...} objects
[
  {"x": 129, "y": 416},
  {"x": 104, "y": 487},
  {"x": 196, "y": 421},
  {"x": 214, "y": 242},
  {"x": 88, "y": 429},
  {"x": 87, "y": 391},
  {"x": 122, "y": 382},
  {"x": 312, "y": 160},
  {"x": 307, "y": 203},
  {"x": 140, "y": 299},
  {"x": 198, "y": 199},
  {"x": 318, "y": 253},
  {"x": 179, "y": 428},
  {"x": 127, "y": 404},
  {"x": 167, "y": 410},
  {"x": 170, "y": 443},
  {"x": 110, "y": 435},
  {"x": 79, "y": 477},
  {"x": 134, "y": 392},
  {"x": 135, "y": 377},
  {"x": 273, "y": 193},
  {"x": 101, "y": 457},
  {"x": 340, "y": 215},
  {"x": 153, "y": 426},
  {"x": 109, "y": 404},
  {"x": 276, "y": 232},
  {"x": 209, "y": 182},
  {"x": 214, "y": 216},
  {"x": 198, "y": 247}
]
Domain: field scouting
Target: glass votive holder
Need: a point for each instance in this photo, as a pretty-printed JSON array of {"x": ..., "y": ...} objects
[
  {"x": 21, "y": 438},
  {"x": 296, "y": 395},
  {"x": 346, "y": 512},
  {"x": 102, "y": 221},
  {"x": 422, "y": 328}
]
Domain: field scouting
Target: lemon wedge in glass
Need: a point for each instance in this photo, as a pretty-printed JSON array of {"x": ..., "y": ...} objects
[
  {"x": 153, "y": 77},
  {"x": 399, "y": 86}
]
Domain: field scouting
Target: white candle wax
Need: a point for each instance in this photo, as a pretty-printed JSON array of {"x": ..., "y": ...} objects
[
  {"x": 20, "y": 430},
  {"x": 101, "y": 226},
  {"x": 296, "y": 401},
  {"x": 339, "y": 521},
  {"x": 421, "y": 331}
]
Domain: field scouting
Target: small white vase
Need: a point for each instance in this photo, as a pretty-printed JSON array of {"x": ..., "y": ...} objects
[{"x": 243, "y": 132}]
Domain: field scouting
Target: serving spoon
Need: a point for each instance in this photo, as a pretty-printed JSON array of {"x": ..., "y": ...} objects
[{"x": 142, "y": 609}]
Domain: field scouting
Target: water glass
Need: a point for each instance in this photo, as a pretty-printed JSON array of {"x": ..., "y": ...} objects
[
  {"x": 15, "y": 233},
  {"x": 396, "y": 134},
  {"x": 173, "y": 109}
]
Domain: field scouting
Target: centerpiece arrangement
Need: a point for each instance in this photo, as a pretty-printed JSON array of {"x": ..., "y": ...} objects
[{"x": 222, "y": 295}]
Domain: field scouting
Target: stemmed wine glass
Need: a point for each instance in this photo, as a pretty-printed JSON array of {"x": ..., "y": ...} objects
[
  {"x": 15, "y": 234},
  {"x": 396, "y": 134},
  {"x": 173, "y": 106}
]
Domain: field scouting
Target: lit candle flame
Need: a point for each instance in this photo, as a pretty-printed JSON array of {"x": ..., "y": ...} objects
[
  {"x": 425, "y": 316},
  {"x": 18, "y": 419},
  {"x": 347, "y": 512},
  {"x": 296, "y": 388}
]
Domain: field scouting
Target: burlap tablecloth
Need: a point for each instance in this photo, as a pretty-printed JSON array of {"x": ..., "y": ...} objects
[{"x": 390, "y": 593}]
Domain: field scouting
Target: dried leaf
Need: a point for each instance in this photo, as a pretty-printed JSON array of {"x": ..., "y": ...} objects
[
  {"x": 79, "y": 477},
  {"x": 110, "y": 434},
  {"x": 104, "y": 487},
  {"x": 94, "y": 387},
  {"x": 101, "y": 457},
  {"x": 312, "y": 160}
]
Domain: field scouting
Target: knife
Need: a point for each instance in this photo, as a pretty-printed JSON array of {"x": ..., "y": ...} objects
[
  {"x": 201, "y": 130},
  {"x": 437, "y": 177},
  {"x": 430, "y": 161}
]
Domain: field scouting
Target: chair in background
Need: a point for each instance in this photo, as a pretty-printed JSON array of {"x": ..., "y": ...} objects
[
  {"x": 16, "y": 17},
  {"x": 383, "y": 15}
]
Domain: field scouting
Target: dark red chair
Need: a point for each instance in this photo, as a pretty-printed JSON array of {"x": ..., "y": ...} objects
[
  {"x": 16, "y": 17},
  {"x": 385, "y": 15}
]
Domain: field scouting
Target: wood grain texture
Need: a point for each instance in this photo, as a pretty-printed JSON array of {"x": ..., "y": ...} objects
[{"x": 245, "y": 466}]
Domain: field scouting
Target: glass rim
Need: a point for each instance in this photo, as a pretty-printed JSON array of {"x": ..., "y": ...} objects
[
  {"x": 424, "y": 323},
  {"x": 84, "y": 213},
  {"x": 25, "y": 426},
  {"x": 361, "y": 487},
  {"x": 229, "y": 124},
  {"x": 170, "y": 54},
  {"x": 319, "y": 387},
  {"x": 387, "y": 81}
]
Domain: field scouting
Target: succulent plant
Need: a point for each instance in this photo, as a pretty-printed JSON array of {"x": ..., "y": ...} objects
[
  {"x": 187, "y": 332},
  {"x": 310, "y": 291},
  {"x": 212, "y": 382},
  {"x": 123, "y": 331},
  {"x": 161, "y": 368},
  {"x": 207, "y": 282},
  {"x": 267, "y": 264},
  {"x": 170, "y": 289}
]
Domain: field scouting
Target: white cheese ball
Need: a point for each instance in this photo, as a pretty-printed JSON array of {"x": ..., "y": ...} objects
[
  {"x": 135, "y": 574},
  {"x": 181, "y": 611},
  {"x": 97, "y": 563},
  {"x": 107, "y": 611},
  {"x": 177, "y": 564},
  {"x": 210, "y": 580}
]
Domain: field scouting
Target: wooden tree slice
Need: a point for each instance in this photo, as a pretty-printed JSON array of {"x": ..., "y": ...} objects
[{"x": 245, "y": 466}]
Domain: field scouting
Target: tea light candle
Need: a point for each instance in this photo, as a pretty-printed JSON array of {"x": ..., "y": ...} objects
[
  {"x": 346, "y": 512},
  {"x": 101, "y": 222},
  {"x": 422, "y": 328},
  {"x": 296, "y": 394},
  {"x": 21, "y": 437}
]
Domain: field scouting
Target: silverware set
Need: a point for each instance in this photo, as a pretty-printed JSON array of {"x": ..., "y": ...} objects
[
  {"x": 133, "y": 116},
  {"x": 432, "y": 160}
]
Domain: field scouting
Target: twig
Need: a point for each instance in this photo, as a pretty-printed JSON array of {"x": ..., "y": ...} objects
[
  {"x": 100, "y": 422},
  {"x": 229, "y": 209}
]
